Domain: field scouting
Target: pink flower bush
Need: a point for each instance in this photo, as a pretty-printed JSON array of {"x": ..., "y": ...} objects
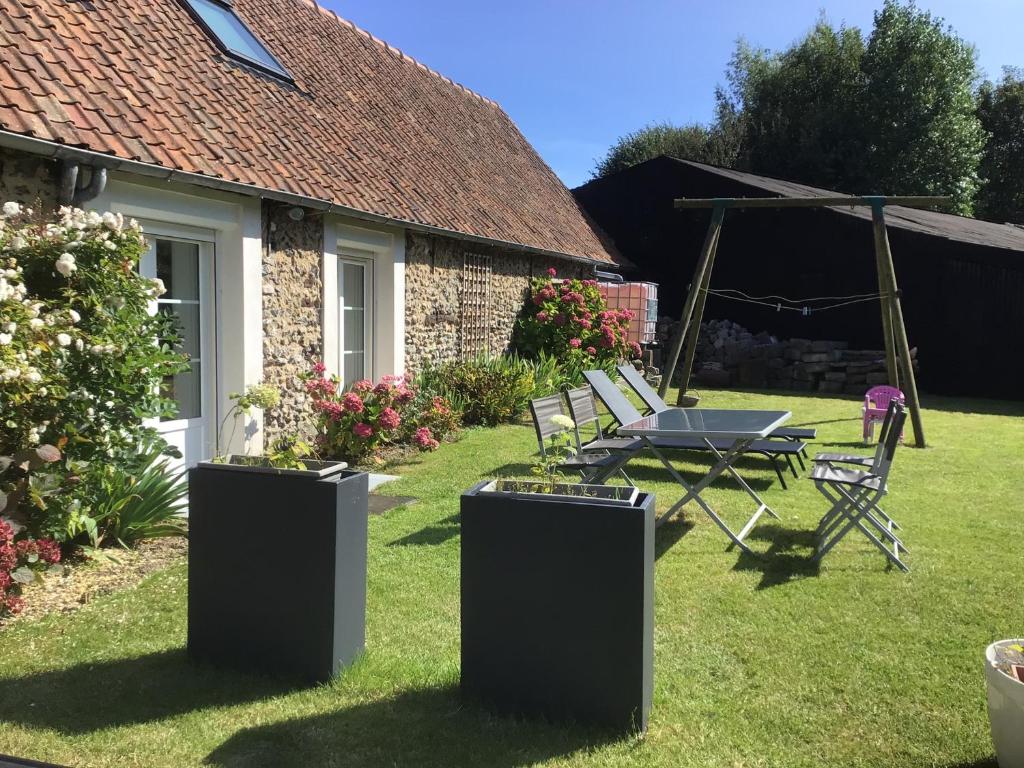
[
  {"x": 570, "y": 320},
  {"x": 26, "y": 555},
  {"x": 354, "y": 425}
]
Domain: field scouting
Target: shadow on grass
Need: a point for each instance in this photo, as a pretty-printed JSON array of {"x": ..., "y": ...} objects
[
  {"x": 668, "y": 533},
  {"x": 108, "y": 694},
  {"x": 782, "y": 562},
  {"x": 419, "y": 727},
  {"x": 659, "y": 474},
  {"x": 433, "y": 534},
  {"x": 983, "y": 762}
]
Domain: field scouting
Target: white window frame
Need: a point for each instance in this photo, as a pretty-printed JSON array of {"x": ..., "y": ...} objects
[{"x": 364, "y": 260}]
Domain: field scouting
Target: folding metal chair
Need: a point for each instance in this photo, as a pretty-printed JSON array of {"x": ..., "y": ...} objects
[
  {"x": 855, "y": 495},
  {"x": 593, "y": 464},
  {"x": 654, "y": 404},
  {"x": 865, "y": 461}
]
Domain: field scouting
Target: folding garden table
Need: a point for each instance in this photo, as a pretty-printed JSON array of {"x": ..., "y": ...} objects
[{"x": 709, "y": 424}]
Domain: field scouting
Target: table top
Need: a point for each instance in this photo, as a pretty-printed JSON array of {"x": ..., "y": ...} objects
[{"x": 706, "y": 422}]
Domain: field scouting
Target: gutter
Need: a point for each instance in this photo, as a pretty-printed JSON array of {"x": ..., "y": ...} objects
[{"x": 63, "y": 152}]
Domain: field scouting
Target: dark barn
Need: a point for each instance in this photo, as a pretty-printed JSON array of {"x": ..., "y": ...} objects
[{"x": 961, "y": 279}]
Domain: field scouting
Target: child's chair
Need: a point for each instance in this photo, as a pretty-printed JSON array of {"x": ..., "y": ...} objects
[{"x": 876, "y": 403}]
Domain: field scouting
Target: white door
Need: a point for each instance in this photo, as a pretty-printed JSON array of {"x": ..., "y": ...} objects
[
  {"x": 186, "y": 268},
  {"x": 355, "y": 319}
]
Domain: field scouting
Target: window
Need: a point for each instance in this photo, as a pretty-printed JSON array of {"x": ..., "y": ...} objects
[
  {"x": 233, "y": 37},
  {"x": 355, "y": 289}
]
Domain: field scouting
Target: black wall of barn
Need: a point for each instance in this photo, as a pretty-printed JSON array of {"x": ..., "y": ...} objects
[{"x": 963, "y": 303}]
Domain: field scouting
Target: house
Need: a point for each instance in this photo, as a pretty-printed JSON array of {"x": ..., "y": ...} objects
[
  {"x": 961, "y": 279},
  {"x": 308, "y": 190}
]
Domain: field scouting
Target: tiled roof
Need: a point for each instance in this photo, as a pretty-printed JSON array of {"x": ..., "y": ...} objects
[{"x": 365, "y": 126}]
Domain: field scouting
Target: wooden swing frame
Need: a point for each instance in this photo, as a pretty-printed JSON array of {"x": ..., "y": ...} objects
[{"x": 897, "y": 348}]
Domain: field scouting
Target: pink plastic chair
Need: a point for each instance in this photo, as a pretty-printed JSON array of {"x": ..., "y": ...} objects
[{"x": 876, "y": 403}]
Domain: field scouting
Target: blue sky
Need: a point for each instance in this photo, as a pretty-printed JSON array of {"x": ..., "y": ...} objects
[{"x": 574, "y": 75}]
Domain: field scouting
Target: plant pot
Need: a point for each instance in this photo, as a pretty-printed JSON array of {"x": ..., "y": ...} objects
[
  {"x": 558, "y": 607},
  {"x": 621, "y": 495},
  {"x": 277, "y": 568},
  {"x": 1005, "y": 710}
]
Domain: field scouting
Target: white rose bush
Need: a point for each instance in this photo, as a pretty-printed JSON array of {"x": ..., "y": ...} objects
[{"x": 82, "y": 360}]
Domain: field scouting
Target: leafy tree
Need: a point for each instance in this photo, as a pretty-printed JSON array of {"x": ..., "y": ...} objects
[
  {"x": 1001, "y": 111},
  {"x": 918, "y": 112},
  {"x": 689, "y": 142},
  {"x": 798, "y": 108}
]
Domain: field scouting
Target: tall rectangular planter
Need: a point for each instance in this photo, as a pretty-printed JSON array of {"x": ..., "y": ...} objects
[
  {"x": 558, "y": 607},
  {"x": 277, "y": 570}
]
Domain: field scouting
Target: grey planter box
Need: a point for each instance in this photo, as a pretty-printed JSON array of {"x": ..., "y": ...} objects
[
  {"x": 277, "y": 568},
  {"x": 558, "y": 607}
]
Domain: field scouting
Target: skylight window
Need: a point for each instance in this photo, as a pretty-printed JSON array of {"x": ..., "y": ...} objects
[{"x": 233, "y": 37}]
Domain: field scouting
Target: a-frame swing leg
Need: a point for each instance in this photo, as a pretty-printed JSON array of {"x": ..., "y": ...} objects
[
  {"x": 694, "y": 334},
  {"x": 885, "y": 291},
  {"x": 707, "y": 254},
  {"x": 899, "y": 328}
]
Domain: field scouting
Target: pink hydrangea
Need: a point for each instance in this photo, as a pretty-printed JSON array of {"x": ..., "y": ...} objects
[
  {"x": 362, "y": 429},
  {"x": 424, "y": 439},
  {"x": 560, "y": 318},
  {"x": 363, "y": 385},
  {"x": 389, "y": 419},
  {"x": 542, "y": 316},
  {"x": 575, "y": 343},
  {"x": 352, "y": 402},
  {"x": 319, "y": 368},
  {"x": 635, "y": 349},
  {"x": 552, "y": 271},
  {"x": 591, "y": 351}
]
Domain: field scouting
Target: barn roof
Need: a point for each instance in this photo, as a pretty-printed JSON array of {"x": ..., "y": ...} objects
[
  {"x": 362, "y": 126},
  {"x": 950, "y": 226}
]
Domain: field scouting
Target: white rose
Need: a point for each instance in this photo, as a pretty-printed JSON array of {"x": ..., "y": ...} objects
[
  {"x": 5, "y": 338},
  {"x": 11, "y": 209},
  {"x": 109, "y": 219},
  {"x": 17, "y": 243},
  {"x": 63, "y": 339},
  {"x": 93, "y": 219},
  {"x": 110, "y": 245},
  {"x": 158, "y": 288},
  {"x": 79, "y": 345},
  {"x": 33, "y": 376},
  {"x": 35, "y": 323},
  {"x": 11, "y": 327},
  {"x": 66, "y": 264},
  {"x": 33, "y": 437},
  {"x": 43, "y": 391},
  {"x": 75, "y": 317}
]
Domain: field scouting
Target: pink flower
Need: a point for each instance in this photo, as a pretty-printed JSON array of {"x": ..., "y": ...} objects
[
  {"x": 352, "y": 402},
  {"x": 319, "y": 368},
  {"x": 542, "y": 316},
  {"x": 383, "y": 388},
  {"x": 560, "y": 318},
  {"x": 405, "y": 395},
  {"x": 575, "y": 343},
  {"x": 389, "y": 419},
  {"x": 424, "y": 439},
  {"x": 591, "y": 351},
  {"x": 49, "y": 551},
  {"x": 552, "y": 271},
  {"x": 585, "y": 323},
  {"x": 15, "y": 604},
  {"x": 362, "y": 429},
  {"x": 635, "y": 349},
  {"x": 363, "y": 385}
]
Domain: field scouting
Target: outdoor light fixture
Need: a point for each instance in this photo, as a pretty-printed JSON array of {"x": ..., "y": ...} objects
[{"x": 296, "y": 213}]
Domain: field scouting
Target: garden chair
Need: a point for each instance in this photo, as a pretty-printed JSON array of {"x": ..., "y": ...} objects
[
  {"x": 876, "y": 403},
  {"x": 855, "y": 495},
  {"x": 624, "y": 412},
  {"x": 864, "y": 461},
  {"x": 652, "y": 400},
  {"x": 592, "y": 464}
]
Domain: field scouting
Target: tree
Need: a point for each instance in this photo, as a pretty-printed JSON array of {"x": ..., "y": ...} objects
[
  {"x": 1001, "y": 111},
  {"x": 798, "y": 108},
  {"x": 689, "y": 142},
  {"x": 918, "y": 114}
]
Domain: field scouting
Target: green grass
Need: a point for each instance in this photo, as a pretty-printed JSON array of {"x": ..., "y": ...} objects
[{"x": 761, "y": 660}]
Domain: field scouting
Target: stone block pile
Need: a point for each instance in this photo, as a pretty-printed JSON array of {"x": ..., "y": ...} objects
[{"x": 730, "y": 355}]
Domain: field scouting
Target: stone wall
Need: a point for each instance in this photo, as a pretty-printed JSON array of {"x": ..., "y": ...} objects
[
  {"x": 292, "y": 291},
  {"x": 434, "y": 288},
  {"x": 28, "y": 179},
  {"x": 730, "y": 355}
]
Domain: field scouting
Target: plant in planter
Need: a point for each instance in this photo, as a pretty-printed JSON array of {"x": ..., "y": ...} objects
[
  {"x": 1004, "y": 675},
  {"x": 557, "y": 591},
  {"x": 239, "y": 618}
]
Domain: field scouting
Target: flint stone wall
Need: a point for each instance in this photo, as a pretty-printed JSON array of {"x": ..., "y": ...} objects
[{"x": 434, "y": 287}]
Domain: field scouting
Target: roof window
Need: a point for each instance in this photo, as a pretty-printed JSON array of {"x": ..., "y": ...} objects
[{"x": 233, "y": 37}]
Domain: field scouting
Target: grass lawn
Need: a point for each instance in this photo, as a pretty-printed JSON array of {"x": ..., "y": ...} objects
[{"x": 760, "y": 660}]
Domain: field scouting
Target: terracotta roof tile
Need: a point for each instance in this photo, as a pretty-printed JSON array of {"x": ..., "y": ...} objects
[{"x": 364, "y": 126}]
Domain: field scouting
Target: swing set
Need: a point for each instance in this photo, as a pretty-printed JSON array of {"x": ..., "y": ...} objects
[{"x": 897, "y": 348}]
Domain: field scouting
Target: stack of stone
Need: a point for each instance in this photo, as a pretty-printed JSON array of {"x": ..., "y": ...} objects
[{"x": 730, "y": 355}]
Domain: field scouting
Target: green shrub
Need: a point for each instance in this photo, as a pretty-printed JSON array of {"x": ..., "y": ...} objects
[
  {"x": 136, "y": 502},
  {"x": 489, "y": 390}
]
